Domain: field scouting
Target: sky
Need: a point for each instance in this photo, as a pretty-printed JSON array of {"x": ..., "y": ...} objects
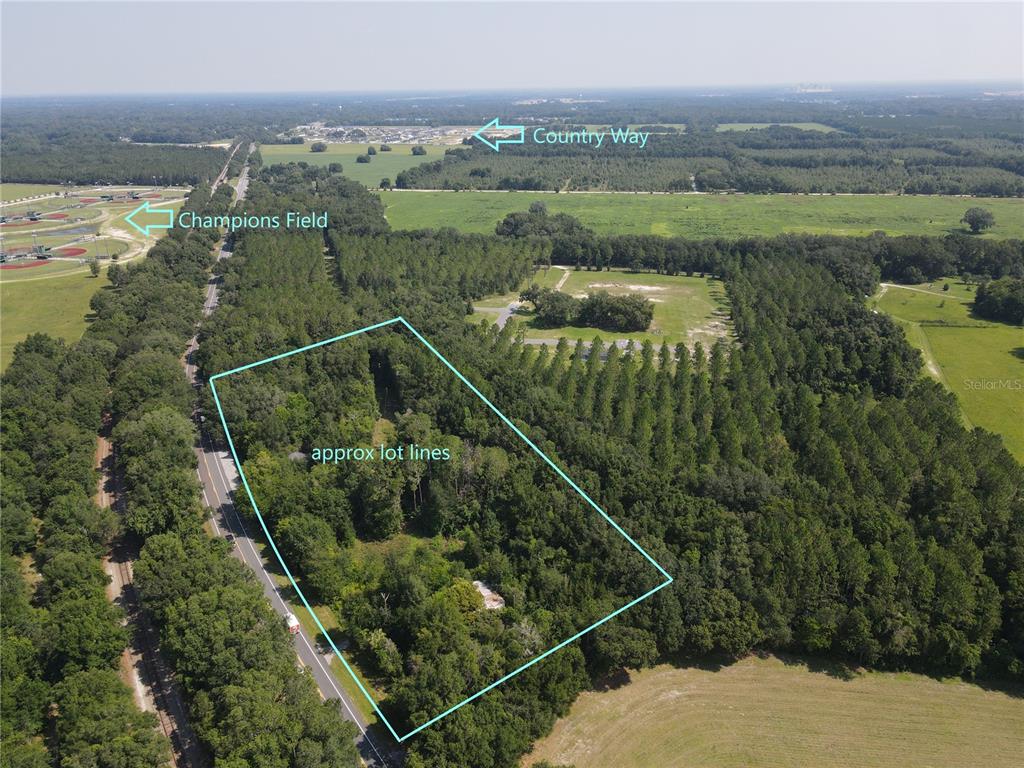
[{"x": 147, "y": 46}]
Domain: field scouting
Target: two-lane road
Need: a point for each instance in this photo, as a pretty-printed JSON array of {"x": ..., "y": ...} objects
[{"x": 219, "y": 479}]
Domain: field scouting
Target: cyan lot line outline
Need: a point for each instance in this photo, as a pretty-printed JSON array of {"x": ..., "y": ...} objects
[{"x": 401, "y": 321}]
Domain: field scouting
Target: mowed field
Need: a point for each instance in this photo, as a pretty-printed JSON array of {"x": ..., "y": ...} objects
[
  {"x": 9, "y": 191},
  {"x": 382, "y": 165},
  {"x": 57, "y": 307},
  {"x": 704, "y": 216},
  {"x": 769, "y": 712},
  {"x": 686, "y": 309},
  {"x": 980, "y": 360}
]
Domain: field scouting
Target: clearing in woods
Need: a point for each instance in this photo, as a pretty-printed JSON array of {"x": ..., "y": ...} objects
[
  {"x": 757, "y": 126},
  {"x": 982, "y": 361},
  {"x": 686, "y": 309},
  {"x": 762, "y": 712},
  {"x": 383, "y": 165},
  {"x": 699, "y": 216}
]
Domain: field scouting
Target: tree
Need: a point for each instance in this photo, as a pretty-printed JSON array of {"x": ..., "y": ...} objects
[
  {"x": 117, "y": 275},
  {"x": 419, "y": 150},
  {"x": 98, "y": 724},
  {"x": 371, "y": 151},
  {"x": 85, "y": 633},
  {"x": 385, "y": 147},
  {"x": 318, "y": 146},
  {"x": 978, "y": 219},
  {"x": 94, "y": 267},
  {"x": 362, "y": 158},
  {"x": 385, "y": 183}
]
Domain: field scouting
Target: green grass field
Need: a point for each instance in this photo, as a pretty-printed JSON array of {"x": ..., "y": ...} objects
[
  {"x": 755, "y": 126},
  {"x": 705, "y": 216},
  {"x": 57, "y": 307},
  {"x": 9, "y": 191},
  {"x": 686, "y": 309},
  {"x": 761, "y": 713},
  {"x": 382, "y": 165},
  {"x": 981, "y": 361}
]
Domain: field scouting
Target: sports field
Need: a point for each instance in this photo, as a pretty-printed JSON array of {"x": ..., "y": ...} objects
[
  {"x": 980, "y": 360},
  {"x": 52, "y": 296},
  {"x": 768, "y": 712},
  {"x": 686, "y": 309},
  {"x": 703, "y": 216},
  {"x": 382, "y": 165}
]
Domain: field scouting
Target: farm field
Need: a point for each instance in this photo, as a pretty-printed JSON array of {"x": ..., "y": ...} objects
[
  {"x": 686, "y": 309},
  {"x": 762, "y": 712},
  {"x": 755, "y": 126},
  {"x": 980, "y": 360},
  {"x": 382, "y": 165},
  {"x": 704, "y": 216}
]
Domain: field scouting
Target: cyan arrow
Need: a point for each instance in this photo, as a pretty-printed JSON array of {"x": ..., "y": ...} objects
[
  {"x": 144, "y": 208},
  {"x": 495, "y": 125}
]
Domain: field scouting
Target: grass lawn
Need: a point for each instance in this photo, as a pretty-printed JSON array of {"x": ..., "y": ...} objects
[
  {"x": 546, "y": 278},
  {"x": 705, "y": 216},
  {"x": 9, "y": 191},
  {"x": 382, "y": 165},
  {"x": 56, "y": 307},
  {"x": 686, "y": 309},
  {"x": 762, "y": 712},
  {"x": 980, "y": 360},
  {"x": 753, "y": 126}
]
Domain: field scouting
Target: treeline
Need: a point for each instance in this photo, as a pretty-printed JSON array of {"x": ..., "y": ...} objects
[
  {"x": 807, "y": 489},
  {"x": 776, "y": 159},
  {"x": 1001, "y": 299},
  {"x": 108, "y": 162},
  {"x": 61, "y": 640},
  {"x": 230, "y": 651},
  {"x": 555, "y": 309},
  {"x": 856, "y": 261}
]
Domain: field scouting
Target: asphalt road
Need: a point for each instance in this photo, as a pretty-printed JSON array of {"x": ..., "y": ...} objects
[{"x": 219, "y": 478}]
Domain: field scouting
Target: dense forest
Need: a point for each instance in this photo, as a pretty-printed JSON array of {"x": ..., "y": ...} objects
[
  {"x": 107, "y": 162},
  {"x": 775, "y": 159},
  {"x": 806, "y": 487}
]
